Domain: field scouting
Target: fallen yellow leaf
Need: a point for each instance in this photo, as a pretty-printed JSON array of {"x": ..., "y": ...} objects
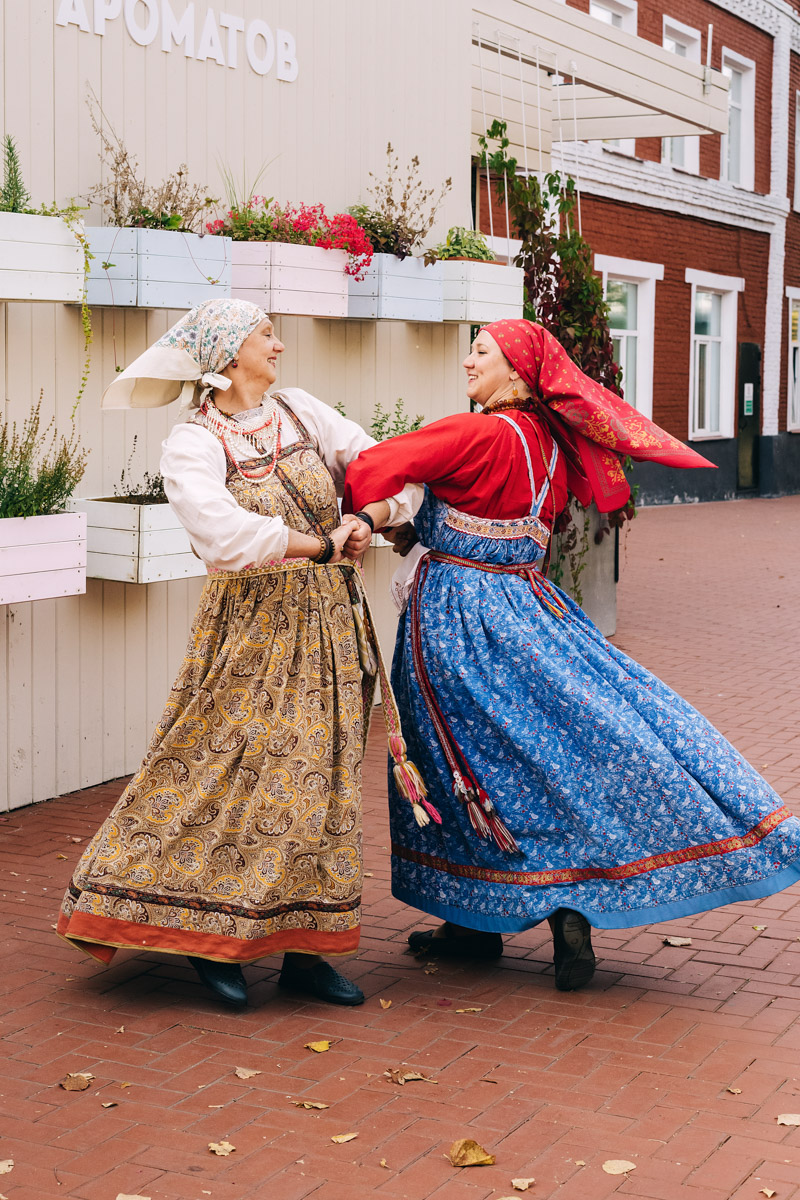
[
  {"x": 223, "y": 1149},
  {"x": 618, "y": 1166},
  {"x": 61, "y": 856},
  {"x": 580, "y": 1162},
  {"x": 126, "y": 1196},
  {"x": 245, "y": 1072},
  {"x": 469, "y": 1010},
  {"x": 77, "y": 1082},
  {"x": 120, "y": 1030},
  {"x": 310, "y": 1104},
  {"x": 6, "y": 1166},
  {"x": 384, "y": 1163},
  {"x": 735, "y": 1091},
  {"x": 110, "y": 1104},
  {"x": 768, "y": 1192},
  {"x": 760, "y": 929},
  {"x": 318, "y": 1047},
  {"x": 522, "y": 1185},
  {"x": 343, "y": 1137},
  {"x": 788, "y": 1119},
  {"x": 468, "y": 1153},
  {"x": 396, "y": 1075},
  {"x": 385, "y": 1004},
  {"x": 124, "y": 1084},
  {"x": 677, "y": 941},
  {"x": 431, "y": 969}
]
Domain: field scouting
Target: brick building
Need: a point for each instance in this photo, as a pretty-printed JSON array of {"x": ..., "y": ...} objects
[{"x": 698, "y": 243}]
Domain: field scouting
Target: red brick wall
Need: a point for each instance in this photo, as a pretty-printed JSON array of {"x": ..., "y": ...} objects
[
  {"x": 633, "y": 231},
  {"x": 734, "y": 34}
]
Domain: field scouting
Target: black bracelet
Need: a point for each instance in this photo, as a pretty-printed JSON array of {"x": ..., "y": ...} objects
[
  {"x": 328, "y": 549},
  {"x": 366, "y": 518}
]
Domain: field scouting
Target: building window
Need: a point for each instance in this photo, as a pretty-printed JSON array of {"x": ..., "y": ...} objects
[
  {"x": 737, "y": 161},
  {"x": 712, "y": 378},
  {"x": 683, "y": 41},
  {"x": 793, "y": 405},
  {"x": 621, "y": 14},
  {"x": 797, "y": 150},
  {"x": 630, "y": 291}
]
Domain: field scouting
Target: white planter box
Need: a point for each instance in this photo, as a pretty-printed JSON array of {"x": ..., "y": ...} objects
[
  {"x": 39, "y": 259},
  {"x": 480, "y": 292},
  {"x": 305, "y": 281},
  {"x": 42, "y": 557},
  {"x": 136, "y": 543},
  {"x": 156, "y": 268},
  {"x": 398, "y": 290}
]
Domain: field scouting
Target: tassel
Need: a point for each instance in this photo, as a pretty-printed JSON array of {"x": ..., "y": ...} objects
[
  {"x": 501, "y": 835},
  {"x": 476, "y": 818},
  {"x": 411, "y": 785}
]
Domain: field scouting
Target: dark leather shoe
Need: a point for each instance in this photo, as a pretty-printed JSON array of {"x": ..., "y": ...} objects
[
  {"x": 225, "y": 980},
  {"x": 480, "y": 945},
  {"x": 322, "y": 981},
  {"x": 573, "y": 956}
]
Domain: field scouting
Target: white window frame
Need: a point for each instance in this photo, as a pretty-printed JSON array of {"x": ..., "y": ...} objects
[
  {"x": 796, "y": 199},
  {"x": 628, "y": 12},
  {"x": 646, "y": 275},
  {"x": 793, "y": 426},
  {"x": 728, "y": 287},
  {"x": 691, "y": 39},
  {"x": 730, "y": 58}
]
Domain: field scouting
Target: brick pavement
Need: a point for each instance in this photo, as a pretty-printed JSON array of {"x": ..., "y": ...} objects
[{"x": 638, "y": 1067}]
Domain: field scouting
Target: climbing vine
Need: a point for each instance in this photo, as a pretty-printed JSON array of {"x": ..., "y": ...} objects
[{"x": 564, "y": 295}]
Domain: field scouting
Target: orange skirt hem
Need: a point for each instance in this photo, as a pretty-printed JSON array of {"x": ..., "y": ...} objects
[{"x": 101, "y": 937}]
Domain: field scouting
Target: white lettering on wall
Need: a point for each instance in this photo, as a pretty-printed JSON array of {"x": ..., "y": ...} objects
[
  {"x": 287, "y": 57},
  {"x": 260, "y": 57},
  {"x": 177, "y": 31},
  {"x": 105, "y": 10},
  {"x": 144, "y": 19},
  {"x": 234, "y": 26},
  {"x": 143, "y": 34},
  {"x": 73, "y": 12}
]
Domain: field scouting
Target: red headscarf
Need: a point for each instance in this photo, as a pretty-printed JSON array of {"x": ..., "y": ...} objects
[{"x": 593, "y": 426}]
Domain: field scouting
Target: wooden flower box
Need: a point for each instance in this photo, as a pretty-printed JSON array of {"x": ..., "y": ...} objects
[
  {"x": 479, "y": 292},
  {"x": 136, "y": 543},
  {"x": 40, "y": 259},
  {"x": 156, "y": 268},
  {"x": 282, "y": 278},
  {"x": 42, "y": 557},
  {"x": 398, "y": 290}
]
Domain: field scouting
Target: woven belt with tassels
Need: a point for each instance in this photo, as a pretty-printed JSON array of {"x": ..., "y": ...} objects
[
  {"x": 481, "y": 810},
  {"x": 407, "y": 778}
]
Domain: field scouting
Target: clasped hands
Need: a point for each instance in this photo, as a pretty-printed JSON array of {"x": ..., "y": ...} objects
[{"x": 356, "y": 536}]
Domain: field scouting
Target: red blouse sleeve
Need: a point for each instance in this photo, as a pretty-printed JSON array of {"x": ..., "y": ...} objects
[{"x": 472, "y": 461}]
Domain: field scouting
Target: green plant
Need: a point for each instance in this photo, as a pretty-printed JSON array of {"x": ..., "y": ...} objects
[
  {"x": 14, "y": 196},
  {"x": 462, "y": 243},
  {"x": 130, "y": 202},
  {"x": 150, "y": 489},
  {"x": 39, "y": 471},
  {"x": 402, "y": 212},
  {"x": 388, "y": 424}
]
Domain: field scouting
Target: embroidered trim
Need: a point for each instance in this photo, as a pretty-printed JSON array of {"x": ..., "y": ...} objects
[
  {"x": 670, "y": 858},
  {"x": 273, "y": 565},
  {"x": 508, "y": 530},
  {"x": 199, "y": 904}
]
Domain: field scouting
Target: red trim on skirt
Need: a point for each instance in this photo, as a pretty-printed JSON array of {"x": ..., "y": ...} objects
[{"x": 101, "y": 937}]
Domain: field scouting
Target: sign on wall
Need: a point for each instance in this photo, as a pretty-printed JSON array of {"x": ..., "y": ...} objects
[{"x": 220, "y": 37}]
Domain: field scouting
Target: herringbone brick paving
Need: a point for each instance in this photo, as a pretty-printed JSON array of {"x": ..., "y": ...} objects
[{"x": 639, "y": 1066}]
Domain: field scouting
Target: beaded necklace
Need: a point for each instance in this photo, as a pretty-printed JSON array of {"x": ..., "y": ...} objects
[{"x": 265, "y": 439}]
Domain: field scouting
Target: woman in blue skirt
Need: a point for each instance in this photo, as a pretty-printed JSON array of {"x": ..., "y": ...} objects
[{"x": 571, "y": 783}]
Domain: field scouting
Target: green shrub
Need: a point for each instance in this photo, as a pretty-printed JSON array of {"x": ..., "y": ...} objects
[{"x": 38, "y": 471}]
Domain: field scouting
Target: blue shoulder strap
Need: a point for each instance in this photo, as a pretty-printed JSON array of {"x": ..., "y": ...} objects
[{"x": 537, "y": 500}]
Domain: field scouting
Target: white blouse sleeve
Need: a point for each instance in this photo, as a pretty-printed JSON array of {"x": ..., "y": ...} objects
[
  {"x": 223, "y": 534},
  {"x": 339, "y": 441}
]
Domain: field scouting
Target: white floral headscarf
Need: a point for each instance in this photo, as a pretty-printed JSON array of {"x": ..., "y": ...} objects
[{"x": 189, "y": 357}]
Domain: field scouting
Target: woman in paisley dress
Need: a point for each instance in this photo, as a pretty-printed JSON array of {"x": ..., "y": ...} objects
[
  {"x": 573, "y": 785},
  {"x": 240, "y": 834}
]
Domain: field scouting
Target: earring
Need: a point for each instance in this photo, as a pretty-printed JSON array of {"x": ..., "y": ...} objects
[
  {"x": 515, "y": 391},
  {"x": 234, "y": 362}
]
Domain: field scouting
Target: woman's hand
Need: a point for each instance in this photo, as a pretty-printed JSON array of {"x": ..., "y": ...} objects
[
  {"x": 359, "y": 539},
  {"x": 404, "y": 538},
  {"x": 342, "y": 536}
]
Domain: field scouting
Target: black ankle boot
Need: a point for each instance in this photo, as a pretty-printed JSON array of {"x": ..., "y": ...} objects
[
  {"x": 225, "y": 980},
  {"x": 573, "y": 955}
]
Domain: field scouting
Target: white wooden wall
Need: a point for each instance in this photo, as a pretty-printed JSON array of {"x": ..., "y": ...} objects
[{"x": 83, "y": 680}]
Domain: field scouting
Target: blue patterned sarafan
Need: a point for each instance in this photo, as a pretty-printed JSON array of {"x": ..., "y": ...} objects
[{"x": 625, "y": 803}]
